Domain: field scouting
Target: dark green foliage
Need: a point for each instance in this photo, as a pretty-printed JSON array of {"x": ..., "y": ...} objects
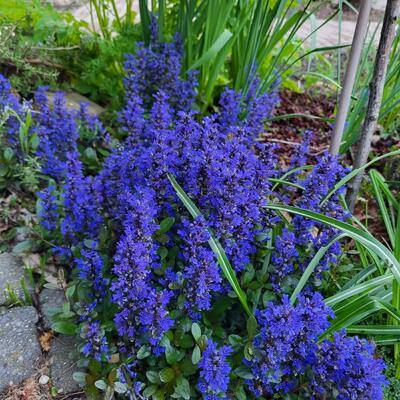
[
  {"x": 96, "y": 70},
  {"x": 33, "y": 39},
  {"x": 42, "y": 46}
]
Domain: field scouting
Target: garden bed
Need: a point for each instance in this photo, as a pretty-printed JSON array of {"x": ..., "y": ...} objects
[{"x": 190, "y": 237}]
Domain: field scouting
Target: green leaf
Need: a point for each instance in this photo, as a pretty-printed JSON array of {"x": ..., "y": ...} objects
[
  {"x": 196, "y": 331},
  {"x": 358, "y": 309},
  {"x": 311, "y": 267},
  {"x": 240, "y": 393},
  {"x": 353, "y": 173},
  {"x": 8, "y": 153},
  {"x": 79, "y": 377},
  {"x": 143, "y": 352},
  {"x": 371, "y": 330},
  {"x": 90, "y": 154},
  {"x": 248, "y": 351},
  {"x": 153, "y": 376},
  {"x": 69, "y": 292},
  {"x": 381, "y": 188},
  {"x": 171, "y": 354},
  {"x": 364, "y": 288},
  {"x": 243, "y": 372},
  {"x": 357, "y": 234},
  {"x": 213, "y": 50},
  {"x": 120, "y": 387},
  {"x": 223, "y": 261},
  {"x": 67, "y": 328},
  {"x": 100, "y": 384},
  {"x": 196, "y": 355},
  {"x": 182, "y": 388},
  {"x": 251, "y": 326},
  {"x": 22, "y": 247},
  {"x": 235, "y": 340},
  {"x": 167, "y": 375},
  {"x": 149, "y": 391},
  {"x": 186, "y": 342},
  {"x": 166, "y": 224}
]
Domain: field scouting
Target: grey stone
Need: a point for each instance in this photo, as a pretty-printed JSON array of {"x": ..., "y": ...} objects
[
  {"x": 20, "y": 351},
  {"x": 50, "y": 303},
  {"x": 11, "y": 273},
  {"x": 66, "y": 4},
  {"x": 73, "y": 101},
  {"x": 63, "y": 363}
]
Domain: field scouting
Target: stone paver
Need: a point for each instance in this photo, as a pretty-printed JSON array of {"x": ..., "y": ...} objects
[
  {"x": 63, "y": 363},
  {"x": 11, "y": 272},
  {"x": 50, "y": 302},
  {"x": 328, "y": 34},
  {"x": 20, "y": 351}
]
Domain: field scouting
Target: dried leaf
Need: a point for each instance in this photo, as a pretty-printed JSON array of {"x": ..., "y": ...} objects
[{"x": 45, "y": 340}]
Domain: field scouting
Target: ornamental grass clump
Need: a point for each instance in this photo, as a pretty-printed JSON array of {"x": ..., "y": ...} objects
[{"x": 155, "y": 312}]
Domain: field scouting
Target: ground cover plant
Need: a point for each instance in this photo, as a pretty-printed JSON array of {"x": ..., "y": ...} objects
[
  {"x": 184, "y": 282},
  {"x": 44, "y": 46},
  {"x": 199, "y": 262}
]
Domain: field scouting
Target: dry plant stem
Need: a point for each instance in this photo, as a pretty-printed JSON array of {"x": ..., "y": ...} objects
[
  {"x": 376, "y": 85},
  {"x": 350, "y": 76}
]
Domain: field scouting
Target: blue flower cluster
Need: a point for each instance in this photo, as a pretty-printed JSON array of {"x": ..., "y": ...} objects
[
  {"x": 214, "y": 371},
  {"x": 138, "y": 253},
  {"x": 349, "y": 366},
  {"x": 153, "y": 68},
  {"x": 96, "y": 343},
  {"x": 10, "y": 109},
  {"x": 305, "y": 233},
  {"x": 143, "y": 313},
  {"x": 57, "y": 131},
  {"x": 201, "y": 272},
  {"x": 288, "y": 359},
  {"x": 287, "y": 344}
]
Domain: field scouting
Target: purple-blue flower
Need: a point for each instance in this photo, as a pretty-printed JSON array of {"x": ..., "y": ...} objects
[
  {"x": 214, "y": 371},
  {"x": 349, "y": 366},
  {"x": 287, "y": 343},
  {"x": 96, "y": 345}
]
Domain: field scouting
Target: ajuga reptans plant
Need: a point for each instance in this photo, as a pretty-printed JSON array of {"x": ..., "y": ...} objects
[{"x": 150, "y": 294}]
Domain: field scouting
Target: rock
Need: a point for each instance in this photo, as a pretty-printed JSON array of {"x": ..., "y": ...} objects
[
  {"x": 20, "y": 351},
  {"x": 11, "y": 273},
  {"x": 51, "y": 300},
  {"x": 73, "y": 101},
  {"x": 44, "y": 380},
  {"x": 66, "y": 4},
  {"x": 63, "y": 359}
]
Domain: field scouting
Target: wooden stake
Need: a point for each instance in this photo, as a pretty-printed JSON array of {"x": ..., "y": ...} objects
[
  {"x": 350, "y": 76},
  {"x": 376, "y": 86}
]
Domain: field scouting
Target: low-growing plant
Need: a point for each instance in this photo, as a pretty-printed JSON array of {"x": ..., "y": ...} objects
[
  {"x": 189, "y": 278},
  {"x": 196, "y": 264},
  {"x": 19, "y": 165},
  {"x": 43, "y": 46}
]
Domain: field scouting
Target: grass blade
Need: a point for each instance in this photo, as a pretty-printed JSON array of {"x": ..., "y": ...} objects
[
  {"x": 215, "y": 246},
  {"x": 357, "y": 234},
  {"x": 311, "y": 266}
]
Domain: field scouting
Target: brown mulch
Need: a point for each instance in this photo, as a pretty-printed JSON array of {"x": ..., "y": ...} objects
[
  {"x": 30, "y": 389},
  {"x": 287, "y": 133}
]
